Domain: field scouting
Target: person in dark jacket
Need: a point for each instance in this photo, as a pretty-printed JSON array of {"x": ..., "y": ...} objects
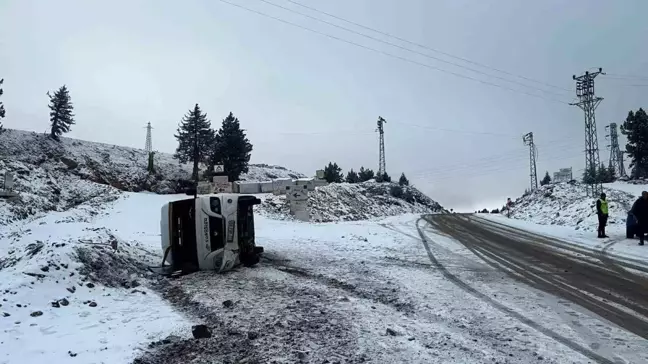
[
  {"x": 640, "y": 212},
  {"x": 602, "y": 212}
]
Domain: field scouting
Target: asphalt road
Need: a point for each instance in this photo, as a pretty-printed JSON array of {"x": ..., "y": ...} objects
[{"x": 596, "y": 283}]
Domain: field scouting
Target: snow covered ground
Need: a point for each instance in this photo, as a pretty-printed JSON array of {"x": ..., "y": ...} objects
[
  {"x": 66, "y": 296},
  {"x": 342, "y": 292},
  {"x": 354, "y": 202}
]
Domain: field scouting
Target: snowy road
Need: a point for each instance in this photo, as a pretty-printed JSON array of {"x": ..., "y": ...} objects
[{"x": 605, "y": 288}]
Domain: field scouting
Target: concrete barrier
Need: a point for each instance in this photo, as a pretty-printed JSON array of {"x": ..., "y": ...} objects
[
  {"x": 279, "y": 185},
  {"x": 248, "y": 187},
  {"x": 267, "y": 187},
  {"x": 308, "y": 182}
]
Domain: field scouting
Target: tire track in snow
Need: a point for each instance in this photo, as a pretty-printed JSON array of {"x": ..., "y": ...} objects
[
  {"x": 506, "y": 310},
  {"x": 617, "y": 261},
  {"x": 586, "y": 294}
]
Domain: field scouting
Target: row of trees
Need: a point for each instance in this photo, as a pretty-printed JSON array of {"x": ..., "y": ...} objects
[
  {"x": 333, "y": 174},
  {"x": 199, "y": 143},
  {"x": 601, "y": 175}
]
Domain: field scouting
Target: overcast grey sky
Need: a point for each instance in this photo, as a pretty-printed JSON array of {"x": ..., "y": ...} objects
[{"x": 306, "y": 99}]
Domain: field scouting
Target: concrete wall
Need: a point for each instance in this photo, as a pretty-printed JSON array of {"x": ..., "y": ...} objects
[
  {"x": 267, "y": 187},
  {"x": 277, "y": 186},
  {"x": 205, "y": 188},
  {"x": 308, "y": 182},
  {"x": 248, "y": 187},
  {"x": 320, "y": 182}
]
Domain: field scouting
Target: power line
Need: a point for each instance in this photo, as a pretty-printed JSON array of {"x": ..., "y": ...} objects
[
  {"x": 426, "y": 47},
  {"x": 479, "y": 173},
  {"x": 339, "y": 132},
  {"x": 408, "y": 49},
  {"x": 627, "y": 77},
  {"x": 434, "y": 128},
  {"x": 504, "y": 159},
  {"x": 624, "y": 84},
  {"x": 390, "y": 54}
]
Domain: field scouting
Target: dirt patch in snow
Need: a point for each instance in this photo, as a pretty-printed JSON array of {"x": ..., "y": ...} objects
[
  {"x": 123, "y": 267},
  {"x": 256, "y": 320},
  {"x": 377, "y": 293}
]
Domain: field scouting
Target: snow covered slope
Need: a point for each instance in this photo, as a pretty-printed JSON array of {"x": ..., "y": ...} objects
[
  {"x": 265, "y": 172},
  {"x": 566, "y": 204},
  {"x": 352, "y": 202},
  {"x": 51, "y": 176},
  {"x": 49, "y": 189},
  {"x": 121, "y": 167}
]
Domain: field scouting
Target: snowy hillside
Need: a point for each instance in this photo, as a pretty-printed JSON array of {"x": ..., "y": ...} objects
[
  {"x": 352, "y": 202},
  {"x": 567, "y": 204},
  {"x": 265, "y": 172},
  {"x": 120, "y": 167},
  {"x": 51, "y": 176}
]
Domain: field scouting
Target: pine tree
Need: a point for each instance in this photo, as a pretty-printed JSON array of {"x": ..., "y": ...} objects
[
  {"x": 2, "y": 109},
  {"x": 61, "y": 114},
  {"x": 606, "y": 175},
  {"x": 635, "y": 128},
  {"x": 333, "y": 173},
  {"x": 403, "y": 181},
  {"x": 352, "y": 177},
  {"x": 151, "y": 165},
  {"x": 195, "y": 139},
  {"x": 611, "y": 175},
  {"x": 589, "y": 176},
  {"x": 546, "y": 180},
  {"x": 384, "y": 178},
  {"x": 231, "y": 148},
  {"x": 365, "y": 174}
]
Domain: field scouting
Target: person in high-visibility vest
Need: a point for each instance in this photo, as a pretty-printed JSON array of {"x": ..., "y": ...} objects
[{"x": 602, "y": 212}]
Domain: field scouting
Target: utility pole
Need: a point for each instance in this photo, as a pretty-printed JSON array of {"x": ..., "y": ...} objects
[
  {"x": 148, "y": 147},
  {"x": 528, "y": 140},
  {"x": 588, "y": 102},
  {"x": 616, "y": 156},
  {"x": 382, "y": 169}
]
